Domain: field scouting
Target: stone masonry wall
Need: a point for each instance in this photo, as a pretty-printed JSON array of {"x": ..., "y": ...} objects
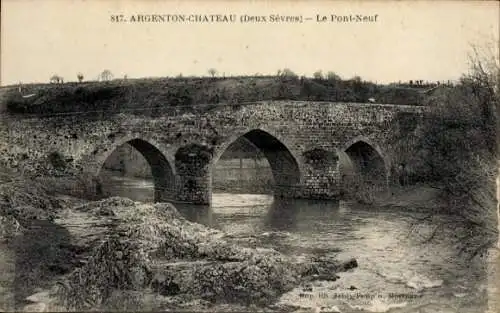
[{"x": 83, "y": 143}]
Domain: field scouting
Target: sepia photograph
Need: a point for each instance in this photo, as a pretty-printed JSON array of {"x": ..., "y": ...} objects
[{"x": 249, "y": 156}]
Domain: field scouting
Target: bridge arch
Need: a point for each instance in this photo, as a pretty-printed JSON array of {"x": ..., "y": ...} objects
[
  {"x": 363, "y": 164},
  {"x": 161, "y": 169},
  {"x": 374, "y": 145},
  {"x": 284, "y": 163}
]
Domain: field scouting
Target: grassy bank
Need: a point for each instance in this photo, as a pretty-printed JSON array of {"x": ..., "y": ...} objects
[{"x": 146, "y": 96}]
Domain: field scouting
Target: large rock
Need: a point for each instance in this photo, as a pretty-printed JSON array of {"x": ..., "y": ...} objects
[
  {"x": 152, "y": 247},
  {"x": 26, "y": 202}
]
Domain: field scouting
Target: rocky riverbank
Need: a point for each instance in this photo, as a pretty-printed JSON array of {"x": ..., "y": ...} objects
[{"x": 117, "y": 254}]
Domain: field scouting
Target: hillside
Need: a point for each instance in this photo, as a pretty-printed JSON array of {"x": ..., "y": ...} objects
[{"x": 145, "y": 96}]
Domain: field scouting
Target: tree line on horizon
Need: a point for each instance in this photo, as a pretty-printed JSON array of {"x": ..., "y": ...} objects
[{"x": 106, "y": 75}]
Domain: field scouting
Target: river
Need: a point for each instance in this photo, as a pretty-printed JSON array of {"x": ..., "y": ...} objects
[{"x": 400, "y": 270}]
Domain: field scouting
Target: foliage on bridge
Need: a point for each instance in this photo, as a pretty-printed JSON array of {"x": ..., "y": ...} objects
[
  {"x": 319, "y": 157},
  {"x": 194, "y": 152}
]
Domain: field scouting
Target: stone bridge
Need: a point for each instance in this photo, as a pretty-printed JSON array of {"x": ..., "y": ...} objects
[{"x": 307, "y": 144}]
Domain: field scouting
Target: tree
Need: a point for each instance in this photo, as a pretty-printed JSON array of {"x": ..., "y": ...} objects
[
  {"x": 318, "y": 75},
  {"x": 286, "y": 72},
  {"x": 356, "y": 79},
  {"x": 80, "y": 77},
  {"x": 485, "y": 80},
  {"x": 331, "y": 76},
  {"x": 106, "y": 75},
  {"x": 459, "y": 138},
  {"x": 56, "y": 79},
  {"x": 212, "y": 72}
]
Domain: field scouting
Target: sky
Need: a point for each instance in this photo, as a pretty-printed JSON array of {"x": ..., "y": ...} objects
[{"x": 409, "y": 40}]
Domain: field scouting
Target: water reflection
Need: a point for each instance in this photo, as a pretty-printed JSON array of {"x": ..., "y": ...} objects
[
  {"x": 282, "y": 215},
  {"x": 136, "y": 189},
  {"x": 202, "y": 214},
  {"x": 287, "y": 214}
]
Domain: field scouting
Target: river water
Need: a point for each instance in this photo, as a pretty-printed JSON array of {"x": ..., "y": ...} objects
[{"x": 402, "y": 267}]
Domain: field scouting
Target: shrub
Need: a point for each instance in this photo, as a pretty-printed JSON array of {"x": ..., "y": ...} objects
[{"x": 56, "y": 159}]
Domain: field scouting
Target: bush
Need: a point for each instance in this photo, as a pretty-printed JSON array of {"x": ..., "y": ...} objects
[{"x": 56, "y": 159}]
